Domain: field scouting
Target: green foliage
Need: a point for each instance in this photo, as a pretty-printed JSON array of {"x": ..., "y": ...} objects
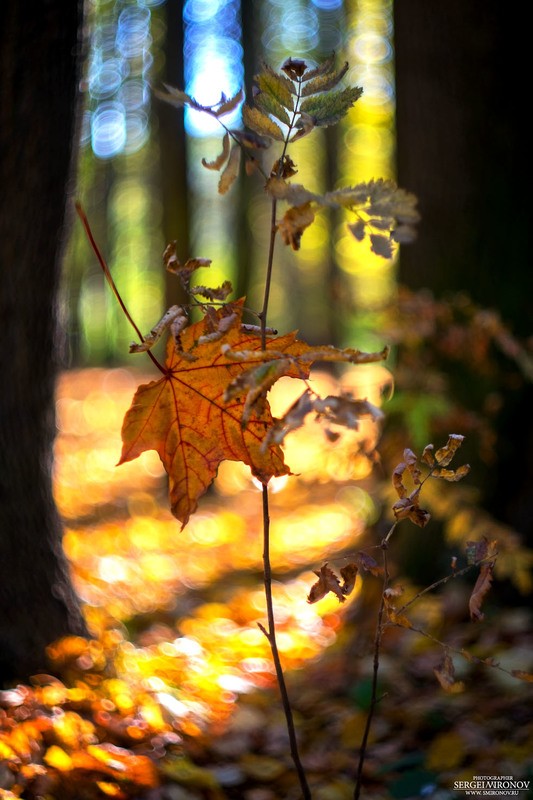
[{"x": 330, "y": 108}]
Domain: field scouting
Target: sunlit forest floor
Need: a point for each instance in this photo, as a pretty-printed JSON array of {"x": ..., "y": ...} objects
[{"x": 175, "y": 699}]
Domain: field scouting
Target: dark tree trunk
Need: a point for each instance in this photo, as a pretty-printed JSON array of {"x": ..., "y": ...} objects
[
  {"x": 172, "y": 146},
  {"x": 462, "y": 150},
  {"x": 38, "y": 81}
]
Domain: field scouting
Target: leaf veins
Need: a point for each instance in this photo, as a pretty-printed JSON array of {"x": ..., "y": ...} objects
[{"x": 184, "y": 418}]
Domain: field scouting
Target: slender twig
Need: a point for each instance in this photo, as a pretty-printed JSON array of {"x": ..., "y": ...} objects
[
  {"x": 111, "y": 282},
  {"x": 271, "y": 636},
  {"x": 267, "y": 567},
  {"x": 444, "y": 580},
  {"x": 375, "y": 670}
]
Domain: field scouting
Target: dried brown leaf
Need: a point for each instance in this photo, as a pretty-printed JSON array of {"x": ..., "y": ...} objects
[
  {"x": 427, "y": 455},
  {"x": 412, "y": 465},
  {"x": 327, "y": 582},
  {"x": 397, "y": 480},
  {"x": 231, "y": 170},
  {"x": 221, "y": 159},
  {"x": 230, "y": 104},
  {"x": 173, "y": 314},
  {"x": 445, "y": 674},
  {"x": 480, "y": 590},
  {"x": 444, "y": 455},
  {"x": 369, "y": 564},
  {"x": 293, "y": 224},
  {"x": 453, "y": 475},
  {"x": 349, "y": 575}
]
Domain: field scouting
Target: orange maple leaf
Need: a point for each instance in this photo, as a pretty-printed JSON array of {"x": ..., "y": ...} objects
[{"x": 184, "y": 418}]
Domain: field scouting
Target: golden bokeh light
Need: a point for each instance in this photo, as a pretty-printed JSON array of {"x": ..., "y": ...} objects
[{"x": 194, "y": 598}]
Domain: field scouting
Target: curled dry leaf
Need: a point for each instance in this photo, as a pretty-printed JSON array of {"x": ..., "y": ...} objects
[
  {"x": 445, "y": 674},
  {"x": 183, "y": 271},
  {"x": 225, "y": 321},
  {"x": 397, "y": 479},
  {"x": 327, "y": 582},
  {"x": 346, "y": 411},
  {"x": 412, "y": 465},
  {"x": 444, "y": 455},
  {"x": 369, "y": 564},
  {"x": 427, "y": 456},
  {"x": 219, "y": 293},
  {"x": 453, "y": 475},
  {"x": 231, "y": 170},
  {"x": 283, "y": 169},
  {"x": 293, "y": 418},
  {"x": 389, "y": 596},
  {"x": 349, "y": 575},
  {"x": 175, "y": 316},
  {"x": 479, "y": 550},
  {"x": 255, "y": 383},
  {"x": 480, "y": 590},
  {"x": 221, "y": 159},
  {"x": 294, "y": 222},
  {"x": 227, "y": 105},
  {"x": 408, "y": 508},
  {"x": 294, "y": 68}
]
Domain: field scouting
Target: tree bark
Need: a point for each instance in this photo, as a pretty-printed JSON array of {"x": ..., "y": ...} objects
[{"x": 38, "y": 81}]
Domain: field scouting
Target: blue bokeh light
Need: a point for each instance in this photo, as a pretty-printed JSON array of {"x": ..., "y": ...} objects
[{"x": 213, "y": 59}]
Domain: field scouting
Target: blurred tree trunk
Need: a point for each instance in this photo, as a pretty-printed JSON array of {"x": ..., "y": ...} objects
[
  {"x": 38, "y": 82},
  {"x": 172, "y": 148},
  {"x": 462, "y": 151}
]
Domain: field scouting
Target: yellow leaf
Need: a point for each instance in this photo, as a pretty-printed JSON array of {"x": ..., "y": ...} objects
[
  {"x": 261, "y": 123},
  {"x": 231, "y": 170}
]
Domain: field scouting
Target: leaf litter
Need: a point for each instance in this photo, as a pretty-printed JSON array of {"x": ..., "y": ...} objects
[{"x": 175, "y": 697}]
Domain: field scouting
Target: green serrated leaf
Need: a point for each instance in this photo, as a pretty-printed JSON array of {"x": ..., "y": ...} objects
[
  {"x": 322, "y": 83},
  {"x": 326, "y": 66},
  {"x": 327, "y": 109},
  {"x": 269, "y": 104},
  {"x": 280, "y": 87},
  {"x": 260, "y": 123}
]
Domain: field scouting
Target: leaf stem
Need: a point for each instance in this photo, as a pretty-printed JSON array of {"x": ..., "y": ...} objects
[
  {"x": 375, "y": 670},
  {"x": 267, "y": 567},
  {"x": 111, "y": 282},
  {"x": 268, "y": 276},
  {"x": 271, "y": 636}
]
